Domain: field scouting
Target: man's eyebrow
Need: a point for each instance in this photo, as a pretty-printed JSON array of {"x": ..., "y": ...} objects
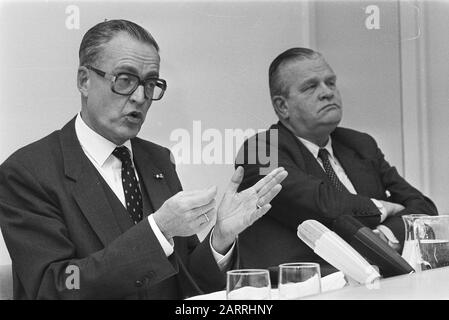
[
  {"x": 309, "y": 81},
  {"x": 313, "y": 80},
  {"x": 125, "y": 68},
  {"x": 151, "y": 74},
  {"x": 133, "y": 70}
]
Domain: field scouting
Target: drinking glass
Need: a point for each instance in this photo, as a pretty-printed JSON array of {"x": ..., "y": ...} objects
[
  {"x": 299, "y": 279},
  {"x": 248, "y": 284}
]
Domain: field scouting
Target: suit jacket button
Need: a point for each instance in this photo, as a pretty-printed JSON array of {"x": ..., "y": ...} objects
[{"x": 138, "y": 283}]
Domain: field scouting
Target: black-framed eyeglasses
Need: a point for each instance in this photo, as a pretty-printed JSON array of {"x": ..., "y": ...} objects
[{"x": 125, "y": 84}]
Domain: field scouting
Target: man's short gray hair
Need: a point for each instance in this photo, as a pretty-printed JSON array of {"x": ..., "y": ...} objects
[{"x": 100, "y": 34}]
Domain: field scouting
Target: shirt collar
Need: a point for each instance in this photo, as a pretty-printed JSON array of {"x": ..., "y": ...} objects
[
  {"x": 98, "y": 147},
  {"x": 314, "y": 149}
]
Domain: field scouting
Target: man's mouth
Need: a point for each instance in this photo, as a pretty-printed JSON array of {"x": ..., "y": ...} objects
[
  {"x": 330, "y": 105},
  {"x": 134, "y": 116}
]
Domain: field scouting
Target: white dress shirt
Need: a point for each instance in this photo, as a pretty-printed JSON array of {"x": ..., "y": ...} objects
[
  {"x": 99, "y": 151},
  {"x": 341, "y": 174}
]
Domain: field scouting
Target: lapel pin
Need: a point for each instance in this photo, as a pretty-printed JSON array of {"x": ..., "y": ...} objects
[{"x": 159, "y": 176}]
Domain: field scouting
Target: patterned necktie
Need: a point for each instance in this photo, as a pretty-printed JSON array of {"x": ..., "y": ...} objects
[
  {"x": 133, "y": 196},
  {"x": 323, "y": 154}
]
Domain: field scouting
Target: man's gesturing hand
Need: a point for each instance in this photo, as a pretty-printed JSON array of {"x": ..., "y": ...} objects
[
  {"x": 238, "y": 210},
  {"x": 186, "y": 213}
]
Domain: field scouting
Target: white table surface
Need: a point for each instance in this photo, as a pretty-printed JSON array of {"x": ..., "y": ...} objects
[{"x": 430, "y": 284}]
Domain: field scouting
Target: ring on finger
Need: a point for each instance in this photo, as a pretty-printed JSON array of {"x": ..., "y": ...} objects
[
  {"x": 258, "y": 206},
  {"x": 207, "y": 218}
]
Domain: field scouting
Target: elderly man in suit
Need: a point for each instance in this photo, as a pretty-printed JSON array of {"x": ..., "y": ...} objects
[
  {"x": 332, "y": 170},
  {"x": 93, "y": 201}
]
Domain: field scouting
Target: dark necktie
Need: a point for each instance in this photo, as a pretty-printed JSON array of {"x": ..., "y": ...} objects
[
  {"x": 133, "y": 196},
  {"x": 323, "y": 154}
]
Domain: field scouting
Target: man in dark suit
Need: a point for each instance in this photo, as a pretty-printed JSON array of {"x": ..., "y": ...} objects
[
  {"x": 92, "y": 212},
  {"x": 332, "y": 171}
]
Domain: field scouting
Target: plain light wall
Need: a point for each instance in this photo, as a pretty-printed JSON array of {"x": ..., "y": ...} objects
[{"x": 436, "y": 21}]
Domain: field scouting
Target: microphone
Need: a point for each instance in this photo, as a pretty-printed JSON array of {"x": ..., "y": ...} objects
[
  {"x": 329, "y": 246},
  {"x": 369, "y": 245}
]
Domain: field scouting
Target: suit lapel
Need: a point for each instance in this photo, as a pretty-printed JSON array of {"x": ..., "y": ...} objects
[
  {"x": 358, "y": 172},
  {"x": 151, "y": 175},
  {"x": 309, "y": 164},
  {"x": 87, "y": 191}
]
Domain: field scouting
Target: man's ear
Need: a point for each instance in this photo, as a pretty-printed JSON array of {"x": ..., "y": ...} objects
[
  {"x": 280, "y": 106},
  {"x": 83, "y": 81}
]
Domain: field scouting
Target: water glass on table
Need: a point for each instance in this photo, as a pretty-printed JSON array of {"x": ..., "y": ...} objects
[
  {"x": 248, "y": 284},
  {"x": 299, "y": 279}
]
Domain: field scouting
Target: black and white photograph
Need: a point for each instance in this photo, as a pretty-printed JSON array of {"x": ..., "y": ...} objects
[{"x": 224, "y": 154}]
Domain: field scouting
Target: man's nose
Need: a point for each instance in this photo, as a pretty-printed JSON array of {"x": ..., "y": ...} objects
[
  {"x": 326, "y": 92},
  {"x": 138, "y": 95}
]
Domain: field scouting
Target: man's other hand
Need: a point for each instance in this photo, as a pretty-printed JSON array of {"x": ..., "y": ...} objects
[
  {"x": 392, "y": 208},
  {"x": 393, "y": 244},
  {"x": 186, "y": 213}
]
